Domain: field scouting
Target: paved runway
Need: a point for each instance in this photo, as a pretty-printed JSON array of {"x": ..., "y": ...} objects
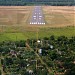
[{"x": 37, "y": 16}]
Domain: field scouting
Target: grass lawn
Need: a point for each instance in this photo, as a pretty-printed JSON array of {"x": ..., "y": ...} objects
[{"x": 12, "y": 36}]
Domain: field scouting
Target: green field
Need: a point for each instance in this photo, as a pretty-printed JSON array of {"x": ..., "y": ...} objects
[{"x": 38, "y": 32}]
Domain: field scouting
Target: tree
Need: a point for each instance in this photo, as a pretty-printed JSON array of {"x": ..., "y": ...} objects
[
  {"x": 52, "y": 37},
  {"x": 0, "y": 72},
  {"x": 70, "y": 71},
  {"x": 53, "y": 54}
]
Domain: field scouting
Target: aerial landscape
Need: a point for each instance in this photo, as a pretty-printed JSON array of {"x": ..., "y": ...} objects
[{"x": 37, "y": 37}]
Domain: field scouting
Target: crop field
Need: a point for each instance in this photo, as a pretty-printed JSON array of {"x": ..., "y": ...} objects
[{"x": 14, "y": 22}]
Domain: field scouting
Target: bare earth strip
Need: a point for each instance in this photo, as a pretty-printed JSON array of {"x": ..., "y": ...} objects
[
  {"x": 59, "y": 16},
  {"x": 11, "y": 15}
]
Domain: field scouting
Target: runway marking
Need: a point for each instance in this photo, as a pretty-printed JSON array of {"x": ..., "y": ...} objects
[
  {"x": 34, "y": 16},
  {"x": 44, "y": 23},
  {"x": 30, "y": 23},
  {"x": 37, "y": 16},
  {"x": 40, "y": 16},
  {"x": 38, "y": 23}
]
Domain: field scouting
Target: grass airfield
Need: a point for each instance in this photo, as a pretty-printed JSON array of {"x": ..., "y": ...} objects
[{"x": 14, "y": 22}]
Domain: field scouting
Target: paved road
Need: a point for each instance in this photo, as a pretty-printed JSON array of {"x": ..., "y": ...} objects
[{"x": 37, "y": 16}]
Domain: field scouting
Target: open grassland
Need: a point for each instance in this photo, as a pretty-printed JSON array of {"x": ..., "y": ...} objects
[
  {"x": 14, "y": 22},
  {"x": 34, "y": 33}
]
